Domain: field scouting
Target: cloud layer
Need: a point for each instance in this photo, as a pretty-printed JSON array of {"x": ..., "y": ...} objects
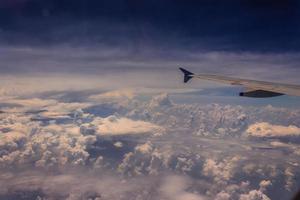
[{"x": 119, "y": 146}]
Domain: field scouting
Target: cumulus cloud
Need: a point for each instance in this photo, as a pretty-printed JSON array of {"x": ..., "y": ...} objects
[
  {"x": 118, "y": 144},
  {"x": 174, "y": 187},
  {"x": 264, "y": 184},
  {"x": 160, "y": 100},
  {"x": 254, "y": 195},
  {"x": 145, "y": 159},
  {"x": 144, "y": 148},
  {"x": 222, "y": 196},
  {"x": 43, "y": 146},
  {"x": 113, "y": 125},
  {"x": 221, "y": 171},
  {"x": 264, "y": 129},
  {"x": 203, "y": 142}
]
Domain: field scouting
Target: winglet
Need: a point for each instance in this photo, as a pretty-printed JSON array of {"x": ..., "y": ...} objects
[{"x": 187, "y": 75}]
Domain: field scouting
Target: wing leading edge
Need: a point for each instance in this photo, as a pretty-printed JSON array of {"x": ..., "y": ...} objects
[{"x": 256, "y": 89}]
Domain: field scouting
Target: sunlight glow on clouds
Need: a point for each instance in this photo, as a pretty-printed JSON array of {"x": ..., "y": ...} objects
[
  {"x": 264, "y": 129},
  {"x": 123, "y": 126},
  {"x": 93, "y": 106},
  {"x": 115, "y": 94},
  {"x": 144, "y": 142}
]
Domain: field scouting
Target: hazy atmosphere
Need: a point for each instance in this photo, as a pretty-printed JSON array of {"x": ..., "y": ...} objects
[{"x": 93, "y": 106}]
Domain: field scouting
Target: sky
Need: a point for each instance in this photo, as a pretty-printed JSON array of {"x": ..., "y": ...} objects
[
  {"x": 203, "y": 25},
  {"x": 93, "y": 106},
  {"x": 96, "y": 37}
]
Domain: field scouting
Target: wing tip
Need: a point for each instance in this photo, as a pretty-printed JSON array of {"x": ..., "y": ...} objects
[{"x": 187, "y": 74}]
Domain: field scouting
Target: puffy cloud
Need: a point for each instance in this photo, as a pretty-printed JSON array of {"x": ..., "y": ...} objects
[
  {"x": 12, "y": 141},
  {"x": 81, "y": 143},
  {"x": 222, "y": 196},
  {"x": 118, "y": 144},
  {"x": 264, "y": 184},
  {"x": 221, "y": 171},
  {"x": 113, "y": 125},
  {"x": 144, "y": 148},
  {"x": 174, "y": 187},
  {"x": 264, "y": 129},
  {"x": 160, "y": 100},
  {"x": 254, "y": 195},
  {"x": 145, "y": 159},
  {"x": 43, "y": 146},
  {"x": 151, "y": 158}
]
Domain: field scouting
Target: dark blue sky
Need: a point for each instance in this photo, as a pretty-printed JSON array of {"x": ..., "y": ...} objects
[{"x": 244, "y": 25}]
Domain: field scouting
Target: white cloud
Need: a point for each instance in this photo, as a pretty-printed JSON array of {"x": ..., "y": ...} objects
[
  {"x": 264, "y": 184},
  {"x": 43, "y": 146},
  {"x": 79, "y": 144},
  {"x": 254, "y": 195},
  {"x": 160, "y": 100},
  {"x": 264, "y": 129},
  {"x": 144, "y": 148},
  {"x": 145, "y": 159},
  {"x": 222, "y": 196},
  {"x": 174, "y": 187},
  {"x": 221, "y": 171},
  {"x": 113, "y": 125},
  {"x": 118, "y": 144}
]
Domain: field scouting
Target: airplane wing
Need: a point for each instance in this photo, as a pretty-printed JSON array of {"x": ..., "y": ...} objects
[{"x": 256, "y": 89}]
